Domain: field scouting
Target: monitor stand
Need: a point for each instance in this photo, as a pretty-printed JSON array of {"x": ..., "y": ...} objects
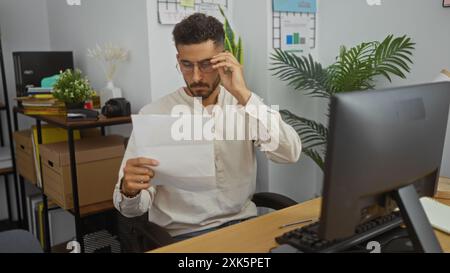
[
  {"x": 420, "y": 231},
  {"x": 397, "y": 241},
  {"x": 416, "y": 236}
]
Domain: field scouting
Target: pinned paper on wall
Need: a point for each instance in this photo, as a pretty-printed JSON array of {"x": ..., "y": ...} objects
[
  {"x": 188, "y": 3},
  {"x": 294, "y": 25},
  {"x": 171, "y": 12}
]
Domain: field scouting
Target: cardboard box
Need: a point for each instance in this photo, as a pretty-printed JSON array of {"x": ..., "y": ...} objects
[
  {"x": 24, "y": 155},
  {"x": 26, "y": 165},
  {"x": 98, "y": 161},
  {"x": 94, "y": 132},
  {"x": 50, "y": 134}
]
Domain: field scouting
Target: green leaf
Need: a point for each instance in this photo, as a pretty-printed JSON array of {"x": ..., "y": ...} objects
[
  {"x": 316, "y": 157},
  {"x": 240, "y": 52},
  {"x": 391, "y": 57},
  {"x": 313, "y": 135},
  {"x": 72, "y": 87},
  {"x": 301, "y": 73},
  {"x": 354, "y": 70},
  {"x": 230, "y": 45}
]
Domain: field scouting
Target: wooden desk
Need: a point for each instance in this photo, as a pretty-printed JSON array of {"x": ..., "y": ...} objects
[
  {"x": 257, "y": 235},
  {"x": 444, "y": 188},
  {"x": 62, "y": 122}
]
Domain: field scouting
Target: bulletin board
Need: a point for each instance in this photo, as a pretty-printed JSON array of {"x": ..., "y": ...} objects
[
  {"x": 294, "y": 29},
  {"x": 171, "y": 12}
]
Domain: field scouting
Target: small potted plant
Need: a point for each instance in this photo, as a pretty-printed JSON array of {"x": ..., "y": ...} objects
[{"x": 73, "y": 89}]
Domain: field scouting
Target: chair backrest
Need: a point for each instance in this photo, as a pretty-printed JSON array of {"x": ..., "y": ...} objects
[
  {"x": 19, "y": 241},
  {"x": 139, "y": 235}
]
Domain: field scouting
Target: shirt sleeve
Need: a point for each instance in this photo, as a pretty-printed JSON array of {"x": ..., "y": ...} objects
[
  {"x": 278, "y": 140},
  {"x": 139, "y": 205}
]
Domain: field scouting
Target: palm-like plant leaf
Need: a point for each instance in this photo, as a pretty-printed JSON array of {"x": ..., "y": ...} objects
[
  {"x": 313, "y": 135},
  {"x": 316, "y": 157},
  {"x": 302, "y": 73},
  {"x": 354, "y": 70},
  {"x": 392, "y": 56}
]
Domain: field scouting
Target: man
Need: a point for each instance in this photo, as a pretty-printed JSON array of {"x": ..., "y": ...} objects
[{"x": 216, "y": 78}]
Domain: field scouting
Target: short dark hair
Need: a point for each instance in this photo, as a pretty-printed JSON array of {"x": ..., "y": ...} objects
[{"x": 199, "y": 28}]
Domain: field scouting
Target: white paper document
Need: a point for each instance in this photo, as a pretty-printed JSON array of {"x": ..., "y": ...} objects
[{"x": 184, "y": 164}]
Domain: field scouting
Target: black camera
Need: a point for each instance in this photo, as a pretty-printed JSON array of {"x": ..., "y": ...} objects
[{"x": 117, "y": 107}]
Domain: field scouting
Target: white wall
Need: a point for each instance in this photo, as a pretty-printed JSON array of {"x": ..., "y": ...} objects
[
  {"x": 424, "y": 21},
  {"x": 77, "y": 28},
  {"x": 24, "y": 27},
  {"x": 298, "y": 181},
  {"x": 165, "y": 78},
  {"x": 355, "y": 22}
]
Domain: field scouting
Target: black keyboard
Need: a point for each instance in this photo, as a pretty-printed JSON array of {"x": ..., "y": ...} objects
[{"x": 306, "y": 239}]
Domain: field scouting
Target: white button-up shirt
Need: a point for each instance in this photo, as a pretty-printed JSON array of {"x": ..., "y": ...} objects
[{"x": 182, "y": 212}]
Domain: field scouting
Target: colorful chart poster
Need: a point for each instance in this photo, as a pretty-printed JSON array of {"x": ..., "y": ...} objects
[{"x": 296, "y": 33}]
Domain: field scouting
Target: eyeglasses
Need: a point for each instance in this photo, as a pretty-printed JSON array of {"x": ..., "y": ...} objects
[{"x": 204, "y": 66}]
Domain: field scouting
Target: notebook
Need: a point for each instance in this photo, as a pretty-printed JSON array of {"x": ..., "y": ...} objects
[{"x": 438, "y": 214}]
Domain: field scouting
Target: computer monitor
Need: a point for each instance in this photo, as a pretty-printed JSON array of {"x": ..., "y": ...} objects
[
  {"x": 31, "y": 67},
  {"x": 381, "y": 142}
]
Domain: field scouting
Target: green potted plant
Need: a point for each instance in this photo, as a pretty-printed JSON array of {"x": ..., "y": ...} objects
[
  {"x": 355, "y": 70},
  {"x": 230, "y": 44},
  {"x": 73, "y": 89}
]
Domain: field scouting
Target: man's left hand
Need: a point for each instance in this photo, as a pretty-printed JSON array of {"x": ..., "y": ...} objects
[{"x": 232, "y": 76}]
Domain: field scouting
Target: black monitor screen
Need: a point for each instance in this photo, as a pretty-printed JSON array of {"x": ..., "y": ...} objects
[
  {"x": 32, "y": 67},
  {"x": 381, "y": 141}
]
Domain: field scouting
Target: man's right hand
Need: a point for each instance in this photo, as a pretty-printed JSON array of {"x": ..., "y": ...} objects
[{"x": 138, "y": 174}]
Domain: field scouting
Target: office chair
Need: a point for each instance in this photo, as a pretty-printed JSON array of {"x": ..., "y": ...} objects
[
  {"x": 138, "y": 235},
  {"x": 19, "y": 241}
]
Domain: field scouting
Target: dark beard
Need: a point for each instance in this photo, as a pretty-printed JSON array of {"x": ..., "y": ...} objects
[{"x": 210, "y": 92}]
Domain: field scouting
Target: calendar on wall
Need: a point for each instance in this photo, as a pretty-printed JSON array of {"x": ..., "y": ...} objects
[{"x": 171, "y": 12}]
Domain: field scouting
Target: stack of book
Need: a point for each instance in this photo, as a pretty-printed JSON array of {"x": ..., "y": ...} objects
[
  {"x": 39, "y": 91},
  {"x": 42, "y": 104}
]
